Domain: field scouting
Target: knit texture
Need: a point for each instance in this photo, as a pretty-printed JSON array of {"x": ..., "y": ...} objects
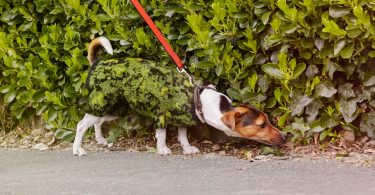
[{"x": 121, "y": 86}]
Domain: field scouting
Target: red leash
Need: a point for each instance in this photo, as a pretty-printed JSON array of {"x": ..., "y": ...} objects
[{"x": 158, "y": 34}]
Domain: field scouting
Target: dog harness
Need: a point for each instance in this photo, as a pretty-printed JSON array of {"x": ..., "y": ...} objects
[{"x": 137, "y": 86}]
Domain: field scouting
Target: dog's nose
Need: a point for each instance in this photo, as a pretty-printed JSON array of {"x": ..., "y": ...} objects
[
  {"x": 279, "y": 140},
  {"x": 283, "y": 137}
]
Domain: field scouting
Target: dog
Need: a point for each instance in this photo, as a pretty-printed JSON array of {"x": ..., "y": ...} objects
[{"x": 123, "y": 86}]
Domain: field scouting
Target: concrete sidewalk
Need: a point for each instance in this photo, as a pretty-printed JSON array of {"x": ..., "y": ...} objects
[{"x": 59, "y": 172}]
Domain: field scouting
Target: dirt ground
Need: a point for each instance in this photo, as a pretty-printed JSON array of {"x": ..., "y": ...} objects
[{"x": 359, "y": 152}]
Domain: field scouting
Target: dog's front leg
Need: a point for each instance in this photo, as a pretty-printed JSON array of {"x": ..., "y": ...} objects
[
  {"x": 161, "y": 146},
  {"x": 182, "y": 138}
]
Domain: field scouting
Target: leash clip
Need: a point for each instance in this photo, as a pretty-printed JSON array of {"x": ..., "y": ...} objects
[{"x": 191, "y": 80}]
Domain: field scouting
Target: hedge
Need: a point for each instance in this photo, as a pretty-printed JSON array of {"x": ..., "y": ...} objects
[{"x": 309, "y": 64}]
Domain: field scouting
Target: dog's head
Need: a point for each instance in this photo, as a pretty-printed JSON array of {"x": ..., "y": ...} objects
[{"x": 253, "y": 124}]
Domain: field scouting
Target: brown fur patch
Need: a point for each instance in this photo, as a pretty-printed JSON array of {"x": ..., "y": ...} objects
[{"x": 252, "y": 124}]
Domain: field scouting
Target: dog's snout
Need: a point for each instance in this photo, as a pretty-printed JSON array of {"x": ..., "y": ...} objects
[
  {"x": 279, "y": 140},
  {"x": 283, "y": 137}
]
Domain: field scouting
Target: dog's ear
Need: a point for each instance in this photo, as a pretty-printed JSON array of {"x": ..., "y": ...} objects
[{"x": 230, "y": 118}]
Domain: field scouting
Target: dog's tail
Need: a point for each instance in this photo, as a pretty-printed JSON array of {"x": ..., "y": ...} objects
[{"x": 95, "y": 46}]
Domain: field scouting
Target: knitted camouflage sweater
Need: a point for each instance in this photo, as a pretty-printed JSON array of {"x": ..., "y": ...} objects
[{"x": 122, "y": 86}]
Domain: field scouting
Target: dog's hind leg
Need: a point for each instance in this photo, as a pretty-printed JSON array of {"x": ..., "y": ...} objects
[
  {"x": 98, "y": 129},
  {"x": 87, "y": 121},
  {"x": 182, "y": 138},
  {"x": 161, "y": 146}
]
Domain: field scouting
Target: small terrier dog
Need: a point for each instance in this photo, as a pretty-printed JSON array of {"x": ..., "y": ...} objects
[{"x": 126, "y": 86}]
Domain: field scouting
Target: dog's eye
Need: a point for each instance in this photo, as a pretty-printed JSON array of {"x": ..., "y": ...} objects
[{"x": 263, "y": 125}]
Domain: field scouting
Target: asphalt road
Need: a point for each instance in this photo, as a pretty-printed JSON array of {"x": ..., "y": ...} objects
[{"x": 59, "y": 172}]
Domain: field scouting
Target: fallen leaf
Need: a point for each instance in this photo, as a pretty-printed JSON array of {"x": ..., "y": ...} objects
[
  {"x": 40, "y": 147},
  {"x": 206, "y": 142},
  {"x": 215, "y": 147}
]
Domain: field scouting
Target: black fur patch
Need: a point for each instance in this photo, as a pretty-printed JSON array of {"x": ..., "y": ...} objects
[
  {"x": 254, "y": 114},
  {"x": 225, "y": 105},
  {"x": 250, "y": 117},
  {"x": 247, "y": 121}
]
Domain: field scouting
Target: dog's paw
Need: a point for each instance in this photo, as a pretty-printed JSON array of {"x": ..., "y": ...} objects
[
  {"x": 164, "y": 151},
  {"x": 79, "y": 151},
  {"x": 190, "y": 150},
  {"x": 102, "y": 141}
]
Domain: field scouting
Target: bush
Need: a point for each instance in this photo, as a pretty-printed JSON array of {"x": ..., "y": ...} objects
[{"x": 310, "y": 64}]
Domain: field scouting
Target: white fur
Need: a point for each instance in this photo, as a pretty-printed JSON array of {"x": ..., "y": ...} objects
[
  {"x": 182, "y": 138},
  {"x": 88, "y": 121},
  {"x": 106, "y": 44},
  {"x": 161, "y": 146},
  {"x": 211, "y": 111}
]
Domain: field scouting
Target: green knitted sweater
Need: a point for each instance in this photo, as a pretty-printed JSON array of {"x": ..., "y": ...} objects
[{"x": 126, "y": 85}]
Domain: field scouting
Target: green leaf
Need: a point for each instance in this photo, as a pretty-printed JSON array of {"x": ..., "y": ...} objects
[
  {"x": 347, "y": 52},
  {"x": 291, "y": 13},
  {"x": 142, "y": 38},
  {"x": 291, "y": 28},
  {"x": 319, "y": 43},
  {"x": 52, "y": 115},
  {"x": 104, "y": 17},
  {"x": 312, "y": 110},
  {"x": 8, "y": 15},
  {"x": 266, "y": 150},
  {"x": 40, "y": 109},
  {"x": 299, "y": 124},
  {"x": 205, "y": 64},
  {"x": 283, "y": 119},
  {"x": 369, "y": 80},
  {"x": 64, "y": 135},
  {"x": 348, "y": 109},
  {"x": 332, "y": 67},
  {"x": 275, "y": 24},
  {"x": 346, "y": 90},
  {"x": 234, "y": 93},
  {"x": 338, "y": 11},
  {"x": 368, "y": 124},
  {"x": 277, "y": 94},
  {"x": 298, "y": 70},
  {"x": 6, "y": 88},
  {"x": 338, "y": 46},
  {"x": 311, "y": 71},
  {"x": 42, "y": 4},
  {"x": 266, "y": 17},
  {"x": 19, "y": 112},
  {"x": 371, "y": 54},
  {"x": 359, "y": 13},
  {"x": 317, "y": 128},
  {"x": 253, "y": 81},
  {"x": 325, "y": 91},
  {"x": 299, "y": 102},
  {"x": 263, "y": 83},
  {"x": 354, "y": 32},
  {"x": 273, "y": 70},
  {"x": 9, "y": 97},
  {"x": 331, "y": 27},
  {"x": 270, "y": 103},
  {"x": 25, "y": 96},
  {"x": 25, "y": 27}
]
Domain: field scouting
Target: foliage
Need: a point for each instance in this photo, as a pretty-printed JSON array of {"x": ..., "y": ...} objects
[
  {"x": 6, "y": 122},
  {"x": 310, "y": 64}
]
